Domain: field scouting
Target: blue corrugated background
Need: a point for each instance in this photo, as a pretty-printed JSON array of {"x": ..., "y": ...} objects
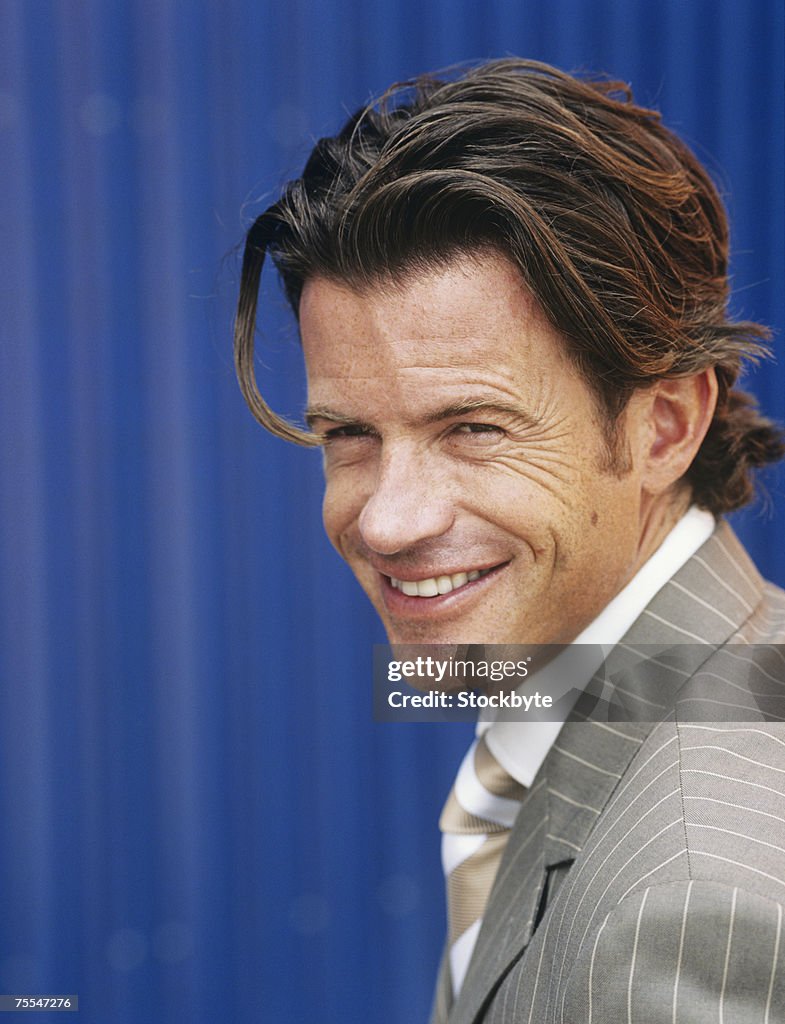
[{"x": 199, "y": 821}]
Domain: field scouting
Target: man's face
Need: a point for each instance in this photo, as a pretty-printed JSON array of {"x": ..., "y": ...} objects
[{"x": 463, "y": 459}]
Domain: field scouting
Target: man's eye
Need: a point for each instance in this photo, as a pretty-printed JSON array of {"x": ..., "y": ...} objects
[
  {"x": 478, "y": 428},
  {"x": 347, "y": 430}
]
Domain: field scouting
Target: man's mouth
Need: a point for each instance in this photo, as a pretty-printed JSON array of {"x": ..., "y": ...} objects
[{"x": 436, "y": 586}]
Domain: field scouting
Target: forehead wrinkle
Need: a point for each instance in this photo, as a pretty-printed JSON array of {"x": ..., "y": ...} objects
[{"x": 424, "y": 394}]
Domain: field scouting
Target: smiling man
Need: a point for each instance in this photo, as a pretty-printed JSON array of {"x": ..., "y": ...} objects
[
  {"x": 469, "y": 483},
  {"x": 512, "y": 296}
]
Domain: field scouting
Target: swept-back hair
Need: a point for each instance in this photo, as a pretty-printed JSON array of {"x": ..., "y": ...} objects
[{"x": 615, "y": 227}]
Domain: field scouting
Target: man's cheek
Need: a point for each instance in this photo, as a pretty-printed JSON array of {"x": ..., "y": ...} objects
[
  {"x": 330, "y": 521},
  {"x": 338, "y": 516}
]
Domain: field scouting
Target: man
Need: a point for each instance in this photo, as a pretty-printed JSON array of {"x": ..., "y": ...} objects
[{"x": 511, "y": 291}]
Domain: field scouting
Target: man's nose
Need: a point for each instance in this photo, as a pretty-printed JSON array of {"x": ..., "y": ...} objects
[{"x": 409, "y": 504}]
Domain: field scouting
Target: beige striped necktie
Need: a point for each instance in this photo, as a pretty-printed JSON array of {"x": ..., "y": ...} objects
[{"x": 475, "y": 824}]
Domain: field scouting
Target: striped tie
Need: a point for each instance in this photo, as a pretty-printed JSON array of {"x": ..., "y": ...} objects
[{"x": 475, "y": 824}]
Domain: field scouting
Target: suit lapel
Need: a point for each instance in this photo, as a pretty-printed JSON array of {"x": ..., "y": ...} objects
[
  {"x": 582, "y": 771},
  {"x": 701, "y": 606}
]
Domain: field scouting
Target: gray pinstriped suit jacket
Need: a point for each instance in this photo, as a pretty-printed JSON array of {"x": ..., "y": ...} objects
[{"x": 644, "y": 879}]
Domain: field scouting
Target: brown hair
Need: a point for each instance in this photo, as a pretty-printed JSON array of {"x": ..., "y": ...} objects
[{"x": 614, "y": 225}]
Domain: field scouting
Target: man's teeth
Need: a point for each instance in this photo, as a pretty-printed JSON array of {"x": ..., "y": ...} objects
[{"x": 437, "y": 584}]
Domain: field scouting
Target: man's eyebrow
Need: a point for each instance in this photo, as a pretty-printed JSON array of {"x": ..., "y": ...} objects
[
  {"x": 454, "y": 410},
  {"x": 472, "y": 406},
  {"x": 322, "y": 412}
]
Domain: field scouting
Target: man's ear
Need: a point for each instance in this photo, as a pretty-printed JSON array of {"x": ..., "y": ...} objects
[{"x": 677, "y": 416}]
